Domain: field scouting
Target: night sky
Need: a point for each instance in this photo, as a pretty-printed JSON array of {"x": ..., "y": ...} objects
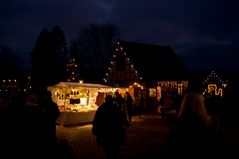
[{"x": 197, "y": 30}]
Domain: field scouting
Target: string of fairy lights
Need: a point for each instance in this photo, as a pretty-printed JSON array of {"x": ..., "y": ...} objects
[
  {"x": 119, "y": 50},
  {"x": 213, "y": 77},
  {"x": 215, "y": 84}
]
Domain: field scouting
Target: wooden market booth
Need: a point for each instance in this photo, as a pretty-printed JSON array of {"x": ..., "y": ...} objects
[{"x": 78, "y": 102}]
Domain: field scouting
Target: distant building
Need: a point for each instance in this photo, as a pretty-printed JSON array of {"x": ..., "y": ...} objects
[
  {"x": 146, "y": 70},
  {"x": 9, "y": 87},
  {"x": 17, "y": 83}
]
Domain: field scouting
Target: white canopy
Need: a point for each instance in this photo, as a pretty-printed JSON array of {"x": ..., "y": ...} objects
[{"x": 100, "y": 87}]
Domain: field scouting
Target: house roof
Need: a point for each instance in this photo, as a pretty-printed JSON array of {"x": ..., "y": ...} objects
[{"x": 155, "y": 62}]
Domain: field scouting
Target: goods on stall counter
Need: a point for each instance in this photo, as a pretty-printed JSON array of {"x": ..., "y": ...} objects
[{"x": 80, "y": 108}]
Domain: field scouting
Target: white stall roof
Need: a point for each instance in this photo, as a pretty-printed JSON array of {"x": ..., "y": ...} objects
[{"x": 100, "y": 87}]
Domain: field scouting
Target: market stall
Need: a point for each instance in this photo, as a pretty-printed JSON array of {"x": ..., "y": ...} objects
[{"x": 78, "y": 102}]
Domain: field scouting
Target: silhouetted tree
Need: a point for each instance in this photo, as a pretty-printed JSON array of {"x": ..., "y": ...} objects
[
  {"x": 62, "y": 51},
  {"x": 96, "y": 43},
  {"x": 48, "y": 58}
]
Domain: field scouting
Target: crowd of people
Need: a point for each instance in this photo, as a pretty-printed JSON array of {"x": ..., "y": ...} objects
[
  {"x": 29, "y": 123},
  {"x": 195, "y": 131}
]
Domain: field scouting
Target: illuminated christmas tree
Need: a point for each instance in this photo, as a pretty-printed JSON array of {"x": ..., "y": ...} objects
[{"x": 73, "y": 66}]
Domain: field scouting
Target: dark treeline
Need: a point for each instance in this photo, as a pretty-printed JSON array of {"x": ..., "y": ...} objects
[
  {"x": 92, "y": 47},
  {"x": 50, "y": 55},
  {"x": 49, "y": 58},
  {"x": 95, "y": 43}
]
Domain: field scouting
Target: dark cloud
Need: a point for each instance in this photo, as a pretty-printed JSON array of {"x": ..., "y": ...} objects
[{"x": 185, "y": 25}]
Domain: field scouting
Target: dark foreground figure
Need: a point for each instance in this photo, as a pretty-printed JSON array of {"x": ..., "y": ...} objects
[
  {"x": 109, "y": 128},
  {"x": 196, "y": 133}
]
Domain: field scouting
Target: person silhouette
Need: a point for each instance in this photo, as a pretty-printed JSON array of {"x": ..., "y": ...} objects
[
  {"x": 139, "y": 105},
  {"x": 109, "y": 126},
  {"x": 129, "y": 104},
  {"x": 196, "y": 133},
  {"x": 118, "y": 99},
  {"x": 31, "y": 128},
  {"x": 50, "y": 112}
]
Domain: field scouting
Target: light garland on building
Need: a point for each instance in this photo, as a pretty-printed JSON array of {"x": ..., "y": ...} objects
[
  {"x": 120, "y": 51},
  {"x": 214, "y": 85}
]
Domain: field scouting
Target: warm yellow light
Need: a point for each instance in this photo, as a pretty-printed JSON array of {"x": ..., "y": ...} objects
[
  {"x": 213, "y": 87},
  {"x": 224, "y": 85}
]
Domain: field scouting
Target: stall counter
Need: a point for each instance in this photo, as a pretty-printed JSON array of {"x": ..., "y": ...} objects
[{"x": 74, "y": 118}]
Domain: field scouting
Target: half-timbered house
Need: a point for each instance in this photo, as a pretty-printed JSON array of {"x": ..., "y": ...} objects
[{"x": 146, "y": 70}]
